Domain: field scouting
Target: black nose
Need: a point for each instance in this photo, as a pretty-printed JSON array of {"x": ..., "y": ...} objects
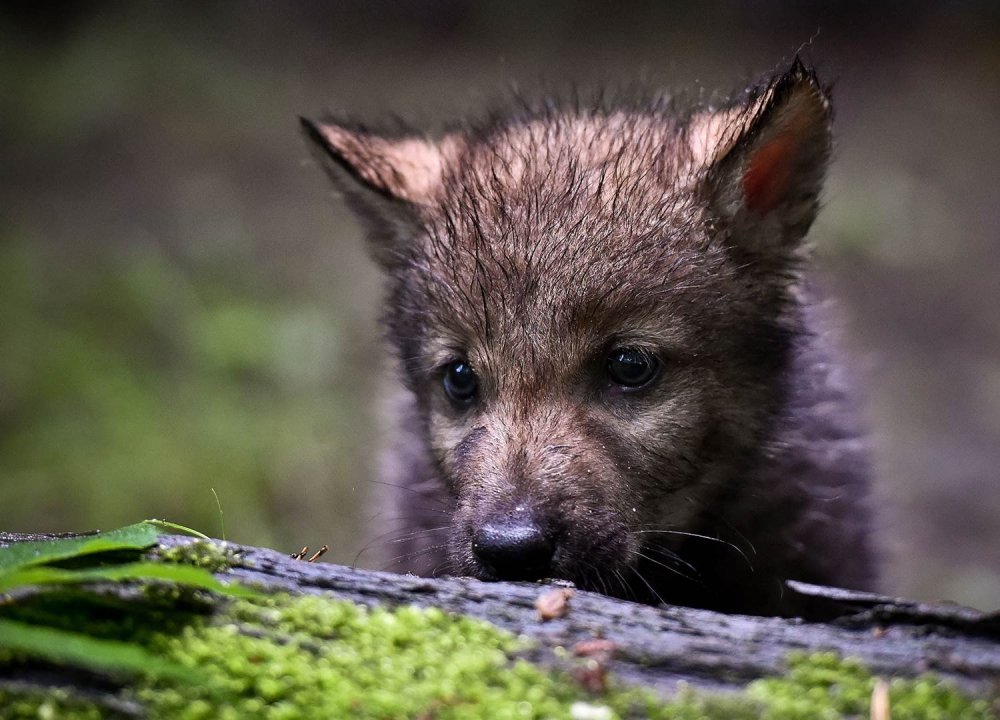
[{"x": 514, "y": 547}]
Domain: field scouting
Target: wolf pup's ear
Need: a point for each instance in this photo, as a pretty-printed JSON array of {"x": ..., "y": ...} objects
[
  {"x": 762, "y": 163},
  {"x": 384, "y": 179}
]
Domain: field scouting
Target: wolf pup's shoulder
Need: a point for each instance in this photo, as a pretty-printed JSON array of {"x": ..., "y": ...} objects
[{"x": 611, "y": 368}]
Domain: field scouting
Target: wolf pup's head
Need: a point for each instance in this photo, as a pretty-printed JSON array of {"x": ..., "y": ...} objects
[{"x": 592, "y": 307}]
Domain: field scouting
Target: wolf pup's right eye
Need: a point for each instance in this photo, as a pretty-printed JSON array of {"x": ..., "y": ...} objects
[
  {"x": 632, "y": 368},
  {"x": 461, "y": 383}
]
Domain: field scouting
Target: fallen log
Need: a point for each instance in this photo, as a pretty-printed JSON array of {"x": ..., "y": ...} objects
[
  {"x": 660, "y": 649},
  {"x": 657, "y": 647}
]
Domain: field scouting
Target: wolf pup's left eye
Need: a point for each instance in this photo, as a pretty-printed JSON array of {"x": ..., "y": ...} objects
[
  {"x": 461, "y": 383},
  {"x": 632, "y": 368}
]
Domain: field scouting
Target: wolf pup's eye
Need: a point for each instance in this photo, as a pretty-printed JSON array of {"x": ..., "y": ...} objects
[
  {"x": 632, "y": 368},
  {"x": 461, "y": 383}
]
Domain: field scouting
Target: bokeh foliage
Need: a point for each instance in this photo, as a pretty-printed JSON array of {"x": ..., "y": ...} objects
[{"x": 140, "y": 388}]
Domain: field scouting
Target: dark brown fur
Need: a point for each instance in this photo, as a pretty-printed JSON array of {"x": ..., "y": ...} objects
[{"x": 533, "y": 245}]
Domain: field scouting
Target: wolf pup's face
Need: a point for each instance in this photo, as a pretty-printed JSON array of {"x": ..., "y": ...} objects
[{"x": 590, "y": 306}]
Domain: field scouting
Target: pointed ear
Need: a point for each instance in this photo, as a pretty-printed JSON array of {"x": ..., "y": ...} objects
[
  {"x": 384, "y": 179},
  {"x": 763, "y": 163}
]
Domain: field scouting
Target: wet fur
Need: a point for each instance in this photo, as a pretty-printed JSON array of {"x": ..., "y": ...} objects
[{"x": 534, "y": 243}]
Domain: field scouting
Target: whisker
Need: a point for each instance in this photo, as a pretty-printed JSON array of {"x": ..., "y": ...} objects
[
  {"x": 734, "y": 546},
  {"x": 602, "y": 580},
  {"x": 445, "y": 565},
  {"x": 743, "y": 537},
  {"x": 419, "y": 489},
  {"x": 404, "y": 529},
  {"x": 418, "y": 533},
  {"x": 670, "y": 555},
  {"x": 693, "y": 578},
  {"x": 626, "y": 590},
  {"x": 379, "y": 540},
  {"x": 646, "y": 583},
  {"x": 413, "y": 555},
  {"x": 407, "y": 517}
]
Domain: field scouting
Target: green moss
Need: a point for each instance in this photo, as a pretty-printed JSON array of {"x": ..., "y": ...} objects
[
  {"x": 823, "y": 686},
  {"x": 301, "y": 657},
  {"x": 53, "y": 704},
  {"x": 336, "y": 659},
  {"x": 211, "y": 555}
]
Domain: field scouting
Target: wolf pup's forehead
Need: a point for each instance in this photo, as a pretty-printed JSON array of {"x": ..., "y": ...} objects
[{"x": 755, "y": 165}]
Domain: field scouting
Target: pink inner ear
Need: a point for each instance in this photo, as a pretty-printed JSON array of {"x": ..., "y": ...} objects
[{"x": 768, "y": 177}]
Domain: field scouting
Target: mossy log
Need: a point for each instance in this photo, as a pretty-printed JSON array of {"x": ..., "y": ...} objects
[{"x": 655, "y": 648}]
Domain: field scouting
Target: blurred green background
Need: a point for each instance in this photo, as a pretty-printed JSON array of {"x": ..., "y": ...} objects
[{"x": 184, "y": 308}]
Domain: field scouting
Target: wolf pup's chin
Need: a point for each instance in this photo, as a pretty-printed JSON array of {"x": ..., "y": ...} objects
[{"x": 612, "y": 368}]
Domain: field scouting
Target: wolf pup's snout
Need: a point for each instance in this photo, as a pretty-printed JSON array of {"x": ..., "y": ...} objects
[
  {"x": 602, "y": 308},
  {"x": 514, "y": 546}
]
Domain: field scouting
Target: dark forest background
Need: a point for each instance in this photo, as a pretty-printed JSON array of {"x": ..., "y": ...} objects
[{"x": 184, "y": 308}]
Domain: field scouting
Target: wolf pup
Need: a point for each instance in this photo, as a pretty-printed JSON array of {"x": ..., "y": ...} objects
[{"x": 613, "y": 371}]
